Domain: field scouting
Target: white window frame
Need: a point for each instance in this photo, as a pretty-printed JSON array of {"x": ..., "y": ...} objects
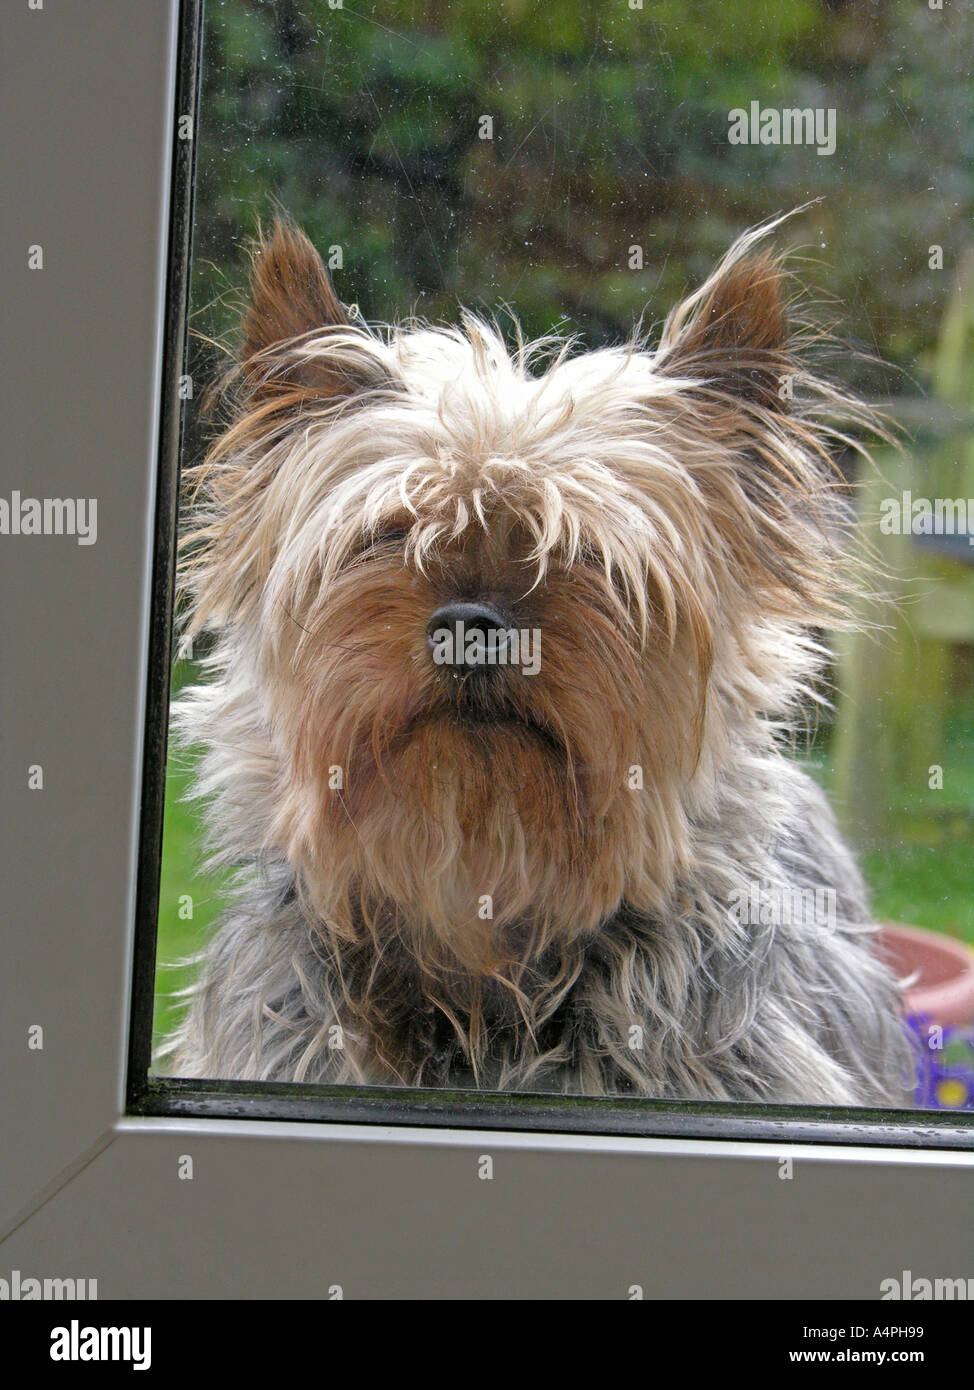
[{"x": 383, "y": 1194}]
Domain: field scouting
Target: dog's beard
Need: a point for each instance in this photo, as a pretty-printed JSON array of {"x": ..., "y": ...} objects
[
  {"x": 475, "y": 830},
  {"x": 483, "y": 815}
]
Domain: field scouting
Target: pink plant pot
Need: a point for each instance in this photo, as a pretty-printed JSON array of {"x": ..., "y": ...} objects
[{"x": 939, "y": 972}]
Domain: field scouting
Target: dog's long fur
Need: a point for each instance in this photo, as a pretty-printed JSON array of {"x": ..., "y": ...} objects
[{"x": 525, "y": 883}]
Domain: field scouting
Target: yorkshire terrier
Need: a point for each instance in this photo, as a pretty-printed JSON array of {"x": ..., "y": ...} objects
[{"x": 508, "y": 646}]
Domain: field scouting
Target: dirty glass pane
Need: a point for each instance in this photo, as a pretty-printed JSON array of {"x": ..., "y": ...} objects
[{"x": 545, "y": 706}]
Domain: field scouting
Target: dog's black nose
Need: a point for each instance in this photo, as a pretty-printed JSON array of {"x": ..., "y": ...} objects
[{"x": 468, "y": 635}]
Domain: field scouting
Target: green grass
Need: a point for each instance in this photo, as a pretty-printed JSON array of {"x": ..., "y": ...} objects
[
  {"x": 924, "y": 874},
  {"x": 926, "y": 885},
  {"x": 190, "y": 900}
]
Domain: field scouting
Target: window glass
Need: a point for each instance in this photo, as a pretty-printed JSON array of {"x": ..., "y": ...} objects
[{"x": 593, "y": 716}]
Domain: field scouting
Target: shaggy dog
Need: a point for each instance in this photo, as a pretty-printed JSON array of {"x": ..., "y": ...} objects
[{"x": 506, "y": 649}]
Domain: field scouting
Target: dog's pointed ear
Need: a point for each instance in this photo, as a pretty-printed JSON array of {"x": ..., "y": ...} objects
[
  {"x": 732, "y": 335},
  {"x": 291, "y": 295},
  {"x": 290, "y": 291}
]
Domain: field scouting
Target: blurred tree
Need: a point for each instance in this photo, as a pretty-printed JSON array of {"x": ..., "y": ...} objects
[{"x": 608, "y": 131}]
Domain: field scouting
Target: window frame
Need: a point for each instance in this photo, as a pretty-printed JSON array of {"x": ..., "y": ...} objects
[
  {"x": 533, "y": 1113},
  {"x": 278, "y": 1208}
]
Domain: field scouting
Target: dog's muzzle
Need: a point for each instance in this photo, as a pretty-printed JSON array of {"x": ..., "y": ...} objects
[{"x": 468, "y": 636}]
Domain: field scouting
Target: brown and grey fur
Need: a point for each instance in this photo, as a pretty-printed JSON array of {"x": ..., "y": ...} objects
[{"x": 671, "y": 521}]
